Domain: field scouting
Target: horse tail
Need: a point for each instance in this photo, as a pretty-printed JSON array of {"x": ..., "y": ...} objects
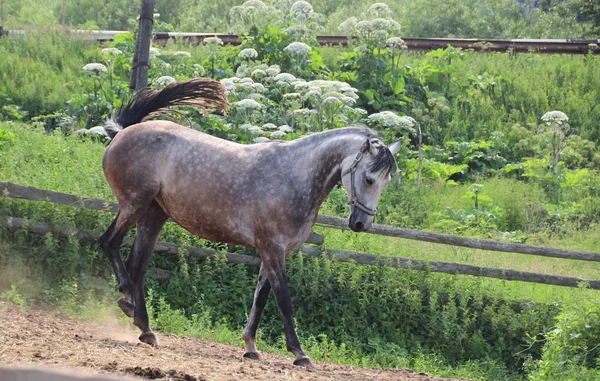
[{"x": 204, "y": 92}]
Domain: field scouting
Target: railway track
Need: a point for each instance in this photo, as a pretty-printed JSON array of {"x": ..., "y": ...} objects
[{"x": 548, "y": 46}]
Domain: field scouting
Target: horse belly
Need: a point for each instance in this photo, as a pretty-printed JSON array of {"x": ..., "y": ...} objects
[{"x": 210, "y": 221}]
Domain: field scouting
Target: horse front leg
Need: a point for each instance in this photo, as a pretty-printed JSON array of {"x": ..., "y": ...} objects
[
  {"x": 274, "y": 267},
  {"x": 263, "y": 287}
]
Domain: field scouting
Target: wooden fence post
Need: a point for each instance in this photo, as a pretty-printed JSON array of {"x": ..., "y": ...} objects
[{"x": 139, "y": 69}]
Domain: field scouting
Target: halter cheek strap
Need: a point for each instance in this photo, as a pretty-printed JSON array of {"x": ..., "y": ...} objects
[{"x": 353, "y": 199}]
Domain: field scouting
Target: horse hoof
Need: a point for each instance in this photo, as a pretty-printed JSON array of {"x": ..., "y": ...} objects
[
  {"x": 148, "y": 338},
  {"x": 126, "y": 306},
  {"x": 304, "y": 361},
  {"x": 252, "y": 355}
]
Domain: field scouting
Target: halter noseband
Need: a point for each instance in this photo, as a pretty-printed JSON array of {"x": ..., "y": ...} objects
[{"x": 353, "y": 199}]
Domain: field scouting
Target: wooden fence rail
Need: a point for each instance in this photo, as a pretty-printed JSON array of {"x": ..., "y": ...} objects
[{"x": 30, "y": 193}]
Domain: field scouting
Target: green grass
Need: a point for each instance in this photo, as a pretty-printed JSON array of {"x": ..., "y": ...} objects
[
  {"x": 72, "y": 165},
  {"x": 51, "y": 269}
]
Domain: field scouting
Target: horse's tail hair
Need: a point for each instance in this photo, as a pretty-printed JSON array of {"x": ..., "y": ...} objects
[{"x": 204, "y": 92}]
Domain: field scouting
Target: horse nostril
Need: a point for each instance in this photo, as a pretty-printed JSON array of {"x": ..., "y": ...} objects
[{"x": 359, "y": 227}]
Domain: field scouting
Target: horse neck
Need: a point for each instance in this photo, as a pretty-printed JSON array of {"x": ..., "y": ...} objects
[{"x": 322, "y": 159}]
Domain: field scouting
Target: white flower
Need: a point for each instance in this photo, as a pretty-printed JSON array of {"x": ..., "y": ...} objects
[
  {"x": 215, "y": 41},
  {"x": 259, "y": 87},
  {"x": 269, "y": 126},
  {"x": 379, "y": 10},
  {"x": 298, "y": 48},
  {"x": 248, "y": 53},
  {"x": 260, "y": 139},
  {"x": 395, "y": 43},
  {"x": 154, "y": 52},
  {"x": 301, "y": 7},
  {"x": 164, "y": 81},
  {"x": 332, "y": 100},
  {"x": 199, "y": 69},
  {"x": 407, "y": 122},
  {"x": 95, "y": 68},
  {"x": 255, "y": 130},
  {"x": 229, "y": 84},
  {"x": 277, "y": 135},
  {"x": 349, "y": 25},
  {"x": 555, "y": 116},
  {"x": 273, "y": 70},
  {"x": 258, "y": 73},
  {"x": 286, "y": 129},
  {"x": 292, "y": 96},
  {"x": 162, "y": 64},
  {"x": 182, "y": 54},
  {"x": 247, "y": 126},
  {"x": 284, "y": 77},
  {"x": 348, "y": 100},
  {"x": 111, "y": 51},
  {"x": 255, "y": 96},
  {"x": 247, "y": 104},
  {"x": 389, "y": 119}
]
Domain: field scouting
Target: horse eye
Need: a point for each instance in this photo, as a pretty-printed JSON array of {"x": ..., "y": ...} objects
[{"x": 369, "y": 180}]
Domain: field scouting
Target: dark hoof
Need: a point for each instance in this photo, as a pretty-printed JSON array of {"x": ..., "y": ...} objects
[
  {"x": 252, "y": 355},
  {"x": 148, "y": 338},
  {"x": 304, "y": 361},
  {"x": 126, "y": 306}
]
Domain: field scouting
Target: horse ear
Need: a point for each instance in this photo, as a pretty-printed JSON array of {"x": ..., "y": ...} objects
[
  {"x": 371, "y": 147},
  {"x": 395, "y": 147}
]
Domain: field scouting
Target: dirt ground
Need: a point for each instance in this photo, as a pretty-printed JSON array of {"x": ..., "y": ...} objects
[{"x": 43, "y": 339}]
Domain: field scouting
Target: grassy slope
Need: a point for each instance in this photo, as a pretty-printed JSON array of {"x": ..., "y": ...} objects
[{"x": 72, "y": 165}]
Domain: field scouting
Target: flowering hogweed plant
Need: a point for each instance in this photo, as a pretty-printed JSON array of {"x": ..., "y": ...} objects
[{"x": 95, "y": 69}]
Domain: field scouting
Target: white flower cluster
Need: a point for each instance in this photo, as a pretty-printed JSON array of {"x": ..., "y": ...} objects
[
  {"x": 163, "y": 81},
  {"x": 199, "y": 70},
  {"x": 389, "y": 119},
  {"x": 212, "y": 41},
  {"x": 95, "y": 68},
  {"x": 285, "y": 129},
  {"x": 301, "y": 7},
  {"x": 375, "y": 27},
  {"x": 182, "y": 55},
  {"x": 251, "y": 13},
  {"x": 248, "y": 54},
  {"x": 284, "y": 78},
  {"x": 247, "y": 104},
  {"x": 379, "y": 10},
  {"x": 297, "y": 48},
  {"x": 154, "y": 53},
  {"x": 328, "y": 92},
  {"x": 396, "y": 43},
  {"x": 555, "y": 116},
  {"x": 110, "y": 52}
]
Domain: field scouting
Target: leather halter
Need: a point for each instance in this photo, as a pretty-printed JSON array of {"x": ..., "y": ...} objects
[{"x": 353, "y": 199}]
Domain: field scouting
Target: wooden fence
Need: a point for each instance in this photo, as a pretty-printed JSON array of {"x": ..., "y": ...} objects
[{"x": 30, "y": 193}]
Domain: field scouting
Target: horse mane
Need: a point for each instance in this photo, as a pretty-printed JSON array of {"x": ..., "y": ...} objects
[{"x": 383, "y": 161}]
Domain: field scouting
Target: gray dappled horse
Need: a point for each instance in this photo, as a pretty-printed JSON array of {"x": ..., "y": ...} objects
[{"x": 265, "y": 196}]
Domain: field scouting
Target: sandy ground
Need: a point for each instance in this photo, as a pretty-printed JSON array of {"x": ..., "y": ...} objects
[{"x": 43, "y": 339}]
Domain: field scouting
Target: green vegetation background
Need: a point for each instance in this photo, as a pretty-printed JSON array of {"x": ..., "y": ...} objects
[{"x": 486, "y": 173}]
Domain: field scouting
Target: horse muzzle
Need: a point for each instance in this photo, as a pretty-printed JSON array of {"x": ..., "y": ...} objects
[{"x": 360, "y": 221}]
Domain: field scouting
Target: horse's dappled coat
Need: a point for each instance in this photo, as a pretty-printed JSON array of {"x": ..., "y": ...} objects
[{"x": 264, "y": 196}]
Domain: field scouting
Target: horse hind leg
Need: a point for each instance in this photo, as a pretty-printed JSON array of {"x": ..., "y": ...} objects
[
  {"x": 147, "y": 231},
  {"x": 263, "y": 287},
  {"x": 110, "y": 243}
]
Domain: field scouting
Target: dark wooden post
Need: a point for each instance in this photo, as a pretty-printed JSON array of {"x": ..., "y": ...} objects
[{"x": 139, "y": 70}]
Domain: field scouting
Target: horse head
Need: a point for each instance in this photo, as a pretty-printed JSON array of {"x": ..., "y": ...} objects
[{"x": 364, "y": 175}]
